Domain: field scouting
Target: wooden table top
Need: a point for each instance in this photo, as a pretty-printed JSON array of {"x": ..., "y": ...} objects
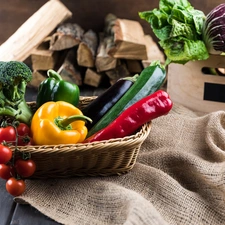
[{"x": 14, "y": 213}]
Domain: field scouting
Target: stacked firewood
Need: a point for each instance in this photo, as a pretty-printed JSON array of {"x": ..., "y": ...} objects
[{"x": 86, "y": 57}]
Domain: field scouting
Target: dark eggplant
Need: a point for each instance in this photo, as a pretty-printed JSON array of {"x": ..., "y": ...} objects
[{"x": 100, "y": 106}]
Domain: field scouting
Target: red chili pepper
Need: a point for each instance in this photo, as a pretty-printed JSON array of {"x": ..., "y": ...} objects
[{"x": 132, "y": 118}]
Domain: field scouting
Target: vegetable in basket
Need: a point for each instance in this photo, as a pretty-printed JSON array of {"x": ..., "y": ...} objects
[
  {"x": 14, "y": 76},
  {"x": 149, "y": 81},
  {"x": 54, "y": 88},
  {"x": 179, "y": 27},
  {"x": 16, "y": 133},
  {"x": 143, "y": 111},
  {"x": 58, "y": 123},
  {"x": 214, "y": 30},
  {"x": 101, "y": 105}
]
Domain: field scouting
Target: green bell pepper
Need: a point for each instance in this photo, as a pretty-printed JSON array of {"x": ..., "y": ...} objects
[{"x": 54, "y": 88}]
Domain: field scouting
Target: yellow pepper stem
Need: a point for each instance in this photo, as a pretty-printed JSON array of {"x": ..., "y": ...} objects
[{"x": 64, "y": 123}]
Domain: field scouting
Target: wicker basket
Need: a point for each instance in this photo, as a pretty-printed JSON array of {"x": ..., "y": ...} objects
[{"x": 112, "y": 157}]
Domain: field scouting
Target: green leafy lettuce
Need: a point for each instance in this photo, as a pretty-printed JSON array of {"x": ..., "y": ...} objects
[{"x": 178, "y": 26}]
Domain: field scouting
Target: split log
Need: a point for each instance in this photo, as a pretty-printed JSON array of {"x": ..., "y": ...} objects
[
  {"x": 86, "y": 52},
  {"x": 134, "y": 66},
  {"x": 28, "y": 36},
  {"x": 37, "y": 78},
  {"x": 110, "y": 21},
  {"x": 129, "y": 39},
  {"x": 104, "y": 61},
  {"x": 153, "y": 52},
  {"x": 42, "y": 58},
  {"x": 119, "y": 72},
  {"x": 109, "y": 24},
  {"x": 67, "y": 36},
  {"x": 69, "y": 70},
  {"x": 92, "y": 78}
]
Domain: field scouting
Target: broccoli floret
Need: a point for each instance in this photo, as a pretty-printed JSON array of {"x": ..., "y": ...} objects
[{"x": 14, "y": 77}]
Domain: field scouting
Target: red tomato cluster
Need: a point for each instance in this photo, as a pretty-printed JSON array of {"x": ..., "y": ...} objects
[
  {"x": 9, "y": 134},
  {"x": 13, "y": 169}
]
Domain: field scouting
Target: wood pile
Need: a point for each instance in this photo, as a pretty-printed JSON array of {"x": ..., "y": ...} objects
[
  {"x": 85, "y": 57},
  {"x": 33, "y": 31},
  {"x": 81, "y": 56}
]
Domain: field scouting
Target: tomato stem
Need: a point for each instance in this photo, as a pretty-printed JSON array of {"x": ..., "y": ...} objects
[{"x": 16, "y": 145}]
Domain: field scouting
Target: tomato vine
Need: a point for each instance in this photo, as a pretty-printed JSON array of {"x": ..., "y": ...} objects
[{"x": 15, "y": 165}]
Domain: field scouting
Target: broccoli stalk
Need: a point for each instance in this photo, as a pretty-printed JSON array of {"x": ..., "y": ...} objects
[
  {"x": 14, "y": 76},
  {"x": 22, "y": 113}
]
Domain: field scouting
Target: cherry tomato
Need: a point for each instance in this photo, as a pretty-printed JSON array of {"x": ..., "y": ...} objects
[
  {"x": 6, "y": 171},
  {"x": 7, "y": 134},
  {"x": 31, "y": 142},
  {"x": 5, "y": 154},
  {"x": 25, "y": 168},
  {"x": 23, "y": 140},
  {"x": 15, "y": 187},
  {"x": 23, "y": 131}
]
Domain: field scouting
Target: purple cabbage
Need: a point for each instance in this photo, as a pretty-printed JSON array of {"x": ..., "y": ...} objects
[{"x": 214, "y": 30}]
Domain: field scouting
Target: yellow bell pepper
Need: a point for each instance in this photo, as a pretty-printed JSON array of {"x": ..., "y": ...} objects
[{"x": 58, "y": 123}]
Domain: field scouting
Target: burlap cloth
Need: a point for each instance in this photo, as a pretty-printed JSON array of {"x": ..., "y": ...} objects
[{"x": 179, "y": 178}]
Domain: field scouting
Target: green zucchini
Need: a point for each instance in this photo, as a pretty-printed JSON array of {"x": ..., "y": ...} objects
[{"x": 149, "y": 81}]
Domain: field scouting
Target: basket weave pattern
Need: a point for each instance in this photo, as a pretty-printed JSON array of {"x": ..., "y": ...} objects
[{"x": 111, "y": 157}]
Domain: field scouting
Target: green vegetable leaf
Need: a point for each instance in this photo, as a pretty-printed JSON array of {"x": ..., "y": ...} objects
[
  {"x": 158, "y": 22},
  {"x": 198, "y": 19},
  {"x": 178, "y": 26},
  {"x": 167, "y": 5},
  {"x": 182, "y": 29},
  {"x": 181, "y": 50}
]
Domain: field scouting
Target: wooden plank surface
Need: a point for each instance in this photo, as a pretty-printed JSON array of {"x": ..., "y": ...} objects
[
  {"x": 7, "y": 205},
  {"x": 17, "y": 214},
  {"x": 187, "y": 84},
  {"x": 25, "y": 214}
]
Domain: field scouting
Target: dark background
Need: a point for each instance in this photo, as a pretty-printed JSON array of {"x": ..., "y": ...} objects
[{"x": 89, "y": 14}]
